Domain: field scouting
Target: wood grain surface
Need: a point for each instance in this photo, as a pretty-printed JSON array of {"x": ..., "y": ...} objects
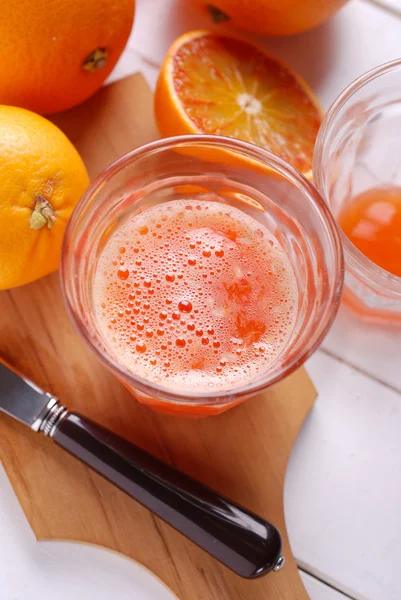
[{"x": 242, "y": 453}]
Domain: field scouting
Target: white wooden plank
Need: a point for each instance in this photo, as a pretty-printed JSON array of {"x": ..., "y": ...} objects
[
  {"x": 373, "y": 348},
  {"x": 343, "y": 486},
  {"x": 132, "y": 62},
  {"x": 394, "y": 6},
  {"x": 318, "y": 590}
]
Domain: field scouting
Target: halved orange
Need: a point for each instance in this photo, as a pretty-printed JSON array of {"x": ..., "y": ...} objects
[{"x": 224, "y": 85}]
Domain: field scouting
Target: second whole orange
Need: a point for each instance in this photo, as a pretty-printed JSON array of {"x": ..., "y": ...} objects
[
  {"x": 57, "y": 53},
  {"x": 271, "y": 17}
]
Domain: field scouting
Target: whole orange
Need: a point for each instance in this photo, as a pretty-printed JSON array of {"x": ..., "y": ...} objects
[
  {"x": 57, "y": 53},
  {"x": 272, "y": 17},
  {"x": 42, "y": 178}
]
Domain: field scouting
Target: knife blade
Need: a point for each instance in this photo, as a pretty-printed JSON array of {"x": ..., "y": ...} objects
[
  {"x": 244, "y": 542},
  {"x": 22, "y": 399}
]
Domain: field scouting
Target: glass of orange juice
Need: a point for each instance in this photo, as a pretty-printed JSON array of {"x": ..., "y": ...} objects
[
  {"x": 357, "y": 169},
  {"x": 201, "y": 270}
]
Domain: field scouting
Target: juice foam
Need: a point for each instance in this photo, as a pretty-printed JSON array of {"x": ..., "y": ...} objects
[{"x": 195, "y": 296}]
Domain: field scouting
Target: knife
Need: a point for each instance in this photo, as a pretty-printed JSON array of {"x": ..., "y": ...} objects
[{"x": 241, "y": 540}]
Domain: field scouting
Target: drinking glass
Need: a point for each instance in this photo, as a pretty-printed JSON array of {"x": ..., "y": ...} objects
[
  {"x": 358, "y": 148},
  {"x": 233, "y": 173}
]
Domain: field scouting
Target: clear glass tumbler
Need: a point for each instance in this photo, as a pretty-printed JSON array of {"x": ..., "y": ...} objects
[
  {"x": 234, "y": 173},
  {"x": 358, "y": 148}
]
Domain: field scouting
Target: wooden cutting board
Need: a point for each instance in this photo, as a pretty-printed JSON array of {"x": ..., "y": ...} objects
[{"x": 242, "y": 453}]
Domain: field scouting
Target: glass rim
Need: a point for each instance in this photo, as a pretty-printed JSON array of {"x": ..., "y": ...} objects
[
  {"x": 291, "y": 174},
  {"x": 353, "y": 256}
]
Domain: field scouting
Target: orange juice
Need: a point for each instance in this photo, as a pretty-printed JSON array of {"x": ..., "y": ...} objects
[
  {"x": 372, "y": 221},
  {"x": 195, "y": 296}
]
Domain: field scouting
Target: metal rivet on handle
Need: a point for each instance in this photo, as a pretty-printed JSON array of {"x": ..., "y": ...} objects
[{"x": 279, "y": 563}]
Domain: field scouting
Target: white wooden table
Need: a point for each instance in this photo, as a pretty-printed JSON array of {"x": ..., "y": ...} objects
[{"x": 343, "y": 487}]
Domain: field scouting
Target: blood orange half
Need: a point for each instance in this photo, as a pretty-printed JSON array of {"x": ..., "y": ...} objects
[{"x": 218, "y": 84}]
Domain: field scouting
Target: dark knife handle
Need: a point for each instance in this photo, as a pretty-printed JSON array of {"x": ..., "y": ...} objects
[{"x": 241, "y": 540}]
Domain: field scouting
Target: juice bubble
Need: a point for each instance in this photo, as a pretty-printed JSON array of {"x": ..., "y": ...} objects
[
  {"x": 185, "y": 306},
  {"x": 123, "y": 273}
]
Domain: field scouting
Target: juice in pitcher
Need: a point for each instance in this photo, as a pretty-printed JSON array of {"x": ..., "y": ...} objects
[
  {"x": 357, "y": 169},
  {"x": 372, "y": 221}
]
